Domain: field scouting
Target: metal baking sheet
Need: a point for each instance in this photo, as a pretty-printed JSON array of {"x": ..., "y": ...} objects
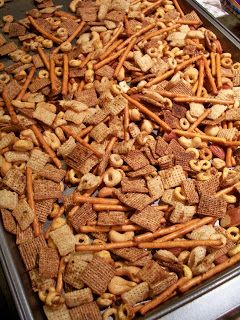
[{"x": 190, "y": 304}]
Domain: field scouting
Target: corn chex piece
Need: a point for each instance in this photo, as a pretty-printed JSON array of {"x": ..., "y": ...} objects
[
  {"x": 60, "y": 312},
  {"x": 8, "y": 199},
  {"x": 84, "y": 214},
  {"x": 134, "y": 200},
  {"x": 116, "y": 105},
  {"x": 190, "y": 191},
  {"x": 88, "y": 311},
  {"x": 97, "y": 275},
  {"x": 48, "y": 262},
  {"x": 155, "y": 187},
  {"x": 23, "y": 214},
  {"x": 182, "y": 213},
  {"x": 15, "y": 156},
  {"x": 15, "y": 180},
  {"x": 149, "y": 218},
  {"x": 136, "y": 159},
  {"x": 37, "y": 160},
  {"x": 212, "y": 206},
  {"x": 63, "y": 239},
  {"x": 216, "y": 111},
  {"x": 44, "y": 115},
  {"x": 137, "y": 294},
  {"x": 134, "y": 185},
  {"x": 46, "y": 189},
  {"x": 78, "y": 297},
  {"x": 172, "y": 178},
  {"x": 74, "y": 269},
  {"x": 111, "y": 218},
  {"x": 8, "y": 221}
]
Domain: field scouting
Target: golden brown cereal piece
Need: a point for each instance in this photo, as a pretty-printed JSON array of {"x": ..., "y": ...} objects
[
  {"x": 52, "y": 173},
  {"x": 7, "y": 48},
  {"x": 190, "y": 191},
  {"x": 149, "y": 218},
  {"x": 37, "y": 160},
  {"x": 8, "y": 221},
  {"x": 48, "y": 262},
  {"x": 8, "y": 199},
  {"x": 63, "y": 239},
  {"x": 78, "y": 297},
  {"x": 211, "y": 206},
  {"x": 15, "y": 180},
  {"x": 46, "y": 189},
  {"x": 134, "y": 200},
  {"x": 59, "y": 312},
  {"x": 138, "y": 293},
  {"x": 90, "y": 309},
  {"x": 23, "y": 214},
  {"x": 136, "y": 160},
  {"x": 133, "y": 185},
  {"x": 81, "y": 215}
]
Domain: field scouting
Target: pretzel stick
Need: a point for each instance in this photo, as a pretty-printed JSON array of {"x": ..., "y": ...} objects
[
  {"x": 210, "y": 77},
  {"x": 227, "y": 190},
  {"x": 149, "y": 113},
  {"x": 110, "y": 49},
  {"x": 136, "y": 34},
  {"x": 124, "y": 56},
  {"x": 199, "y": 120},
  {"x": 87, "y": 229},
  {"x": 229, "y": 152},
  {"x": 31, "y": 202},
  {"x": 53, "y": 76},
  {"x": 179, "y": 244},
  {"x": 232, "y": 143},
  {"x": 61, "y": 269},
  {"x": 218, "y": 71},
  {"x": 60, "y": 13},
  {"x": 44, "y": 58},
  {"x": 83, "y": 199},
  {"x": 163, "y": 296},
  {"x": 153, "y": 6},
  {"x": 85, "y": 131},
  {"x": 213, "y": 63},
  {"x": 9, "y": 107},
  {"x": 106, "y": 246},
  {"x": 45, "y": 146},
  {"x": 80, "y": 140},
  {"x": 81, "y": 86},
  {"x": 26, "y": 83},
  {"x": 158, "y": 32},
  {"x": 86, "y": 60},
  {"x": 195, "y": 87},
  {"x": 176, "y": 4},
  {"x": 43, "y": 32},
  {"x": 169, "y": 94},
  {"x": 107, "y": 60},
  {"x": 118, "y": 31},
  {"x": 110, "y": 207},
  {"x": 200, "y": 78},
  {"x": 126, "y": 123},
  {"x": 203, "y": 100},
  {"x": 212, "y": 272},
  {"x": 186, "y": 229},
  {"x": 186, "y": 63},
  {"x": 204, "y": 137},
  {"x": 160, "y": 78},
  {"x": 65, "y": 75},
  {"x": 76, "y": 32}
]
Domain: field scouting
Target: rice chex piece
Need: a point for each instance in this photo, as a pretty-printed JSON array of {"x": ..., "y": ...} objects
[
  {"x": 182, "y": 213},
  {"x": 82, "y": 215},
  {"x": 100, "y": 132},
  {"x": 190, "y": 191},
  {"x": 134, "y": 185},
  {"x": 88, "y": 97},
  {"x": 46, "y": 189},
  {"x": 142, "y": 172},
  {"x": 162, "y": 284},
  {"x": 111, "y": 218},
  {"x": 43, "y": 208},
  {"x": 23, "y": 236},
  {"x": 9, "y": 223},
  {"x": 131, "y": 254},
  {"x": 16, "y": 30},
  {"x": 136, "y": 159},
  {"x": 212, "y": 206},
  {"x": 74, "y": 269},
  {"x": 8, "y": 199},
  {"x": 117, "y": 105},
  {"x": 78, "y": 297},
  {"x": 52, "y": 173},
  {"x": 209, "y": 186},
  {"x": 149, "y": 218},
  {"x": 44, "y": 115},
  {"x": 87, "y": 311},
  {"x": 233, "y": 115},
  {"x": 30, "y": 250},
  {"x": 155, "y": 187},
  {"x": 152, "y": 272},
  {"x": 48, "y": 262},
  {"x": 136, "y": 294},
  {"x": 172, "y": 178},
  {"x": 134, "y": 200},
  {"x": 39, "y": 282},
  {"x": 15, "y": 180},
  {"x": 97, "y": 275},
  {"x": 37, "y": 160},
  {"x": 8, "y": 48},
  {"x": 63, "y": 239},
  {"x": 38, "y": 83},
  {"x": 13, "y": 88},
  {"x": 228, "y": 134},
  {"x": 67, "y": 147},
  {"x": 23, "y": 214},
  {"x": 60, "y": 312}
]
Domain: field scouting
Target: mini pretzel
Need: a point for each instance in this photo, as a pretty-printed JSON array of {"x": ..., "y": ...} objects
[
  {"x": 209, "y": 75},
  {"x": 199, "y": 120},
  {"x": 218, "y": 71},
  {"x": 43, "y": 57},
  {"x": 124, "y": 56},
  {"x": 106, "y": 246},
  {"x": 200, "y": 78},
  {"x": 65, "y": 75},
  {"x": 179, "y": 244},
  {"x": 202, "y": 100},
  {"x": 9, "y": 107},
  {"x": 26, "y": 83}
]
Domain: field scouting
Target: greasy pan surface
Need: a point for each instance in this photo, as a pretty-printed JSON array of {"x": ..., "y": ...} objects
[{"x": 28, "y": 304}]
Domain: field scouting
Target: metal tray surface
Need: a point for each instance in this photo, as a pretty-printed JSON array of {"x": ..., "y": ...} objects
[{"x": 218, "y": 295}]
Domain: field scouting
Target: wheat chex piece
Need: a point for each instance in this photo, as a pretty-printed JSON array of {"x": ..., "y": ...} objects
[
  {"x": 100, "y": 132},
  {"x": 8, "y": 199},
  {"x": 15, "y": 180},
  {"x": 74, "y": 269},
  {"x": 63, "y": 239},
  {"x": 192, "y": 16},
  {"x": 131, "y": 254},
  {"x": 236, "y": 78},
  {"x": 182, "y": 213},
  {"x": 67, "y": 147},
  {"x": 97, "y": 117},
  {"x": 43, "y": 208},
  {"x": 136, "y": 159},
  {"x": 116, "y": 105},
  {"x": 78, "y": 297},
  {"x": 152, "y": 272},
  {"x": 166, "y": 162},
  {"x": 179, "y": 87},
  {"x": 39, "y": 282},
  {"x": 70, "y": 25},
  {"x": 182, "y": 159},
  {"x": 24, "y": 235},
  {"x": 13, "y": 88},
  {"x": 29, "y": 251},
  {"x": 87, "y": 311},
  {"x": 105, "y": 71},
  {"x": 173, "y": 177},
  {"x": 48, "y": 262},
  {"x": 38, "y": 84},
  {"x": 88, "y": 96},
  {"x": 150, "y": 156},
  {"x": 190, "y": 191},
  {"x": 228, "y": 134},
  {"x": 37, "y": 160},
  {"x": 162, "y": 284},
  {"x": 115, "y": 15},
  {"x": 78, "y": 156},
  {"x": 111, "y": 218},
  {"x": 52, "y": 173},
  {"x": 37, "y": 61},
  {"x": 16, "y": 30},
  {"x": 7, "y": 48},
  {"x": 170, "y": 198},
  {"x": 97, "y": 275},
  {"x": 134, "y": 200},
  {"x": 2, "y": 39},
  {"x": 134, "y": 185},
  {"x": 149, "y": 218},
  {"x": 142, "y": 172},
  {"x": 212, "y": 206},
  {"x": 9, "y": 223},
  {"x": 123, "y": 147},
  {"x": 210, "y": 186},
  {"x": 87, "y": 10},
  {"x": 44, "y": 115},
  {"x": 46, "y": 189},
  {"x": 179, "y": 111},
  {"x": 233, "y": 115},
  {"x": 84, "y": 214},
  {"x": 23, "y": 214},
  {"x": 171, "y": 120},
  {"x": 89, "y": 164},
  {"x": 174, "y": 148},
  {"x": 155, "y": 187},
  {"x": 137, "y": 294},
  {"x": 60, "y": 312}
]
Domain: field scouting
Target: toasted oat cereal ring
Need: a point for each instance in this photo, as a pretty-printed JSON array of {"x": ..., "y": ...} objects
[
  {"x": 2, "y": 66},
  {"x": 226, "y": 62},
  {"x": 43, "y": 74},
  {"x": 5, "y": 78},
  {"x": 233, "y": 233},
  {"x": 58, "y": 71},
  {"x": 184, "y": 124},
  {"x": 236, "y": 66},
  {"x": 62, "y": 32},
  {"x": 153, "y": 52},
  {"x": 205, "y": 154},
  {"x": 26, "y": 58},
  {"x": 206, "y": 164}
]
